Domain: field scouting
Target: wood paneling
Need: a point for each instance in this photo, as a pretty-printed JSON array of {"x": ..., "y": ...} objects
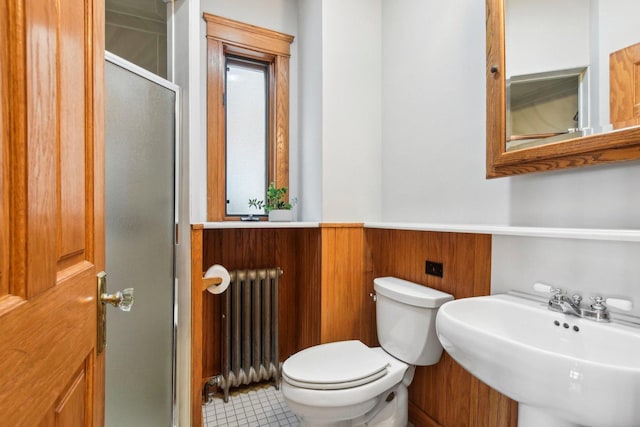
[
  {"x": 295, "y": 251},
  {"x": 490, "y": 408},
  {"x": 197, "y": 320},
  {"x": 280, "y": 147},
  {"x": 444, "y": 394},
  {"x": 309, "y": 250},
  {"x": 624, "y": 87},
  {"x": 71, "y": 192},
  {"x": 216, "y": 172},
  {"x": 343, "y": 295},
  {"x": 71, "y": 409},
  {"x": 42, "y": 120},
  {"x": 52, "y": 185},
  {"x": 4, "y": 149},
  {"x": 419, "y": 418}
]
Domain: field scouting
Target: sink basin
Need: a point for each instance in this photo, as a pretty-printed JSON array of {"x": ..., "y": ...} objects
[{"x": 562, "y": 370}]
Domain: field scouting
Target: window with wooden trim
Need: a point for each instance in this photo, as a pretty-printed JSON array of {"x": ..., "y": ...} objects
[{"x": 247, "y": 115}]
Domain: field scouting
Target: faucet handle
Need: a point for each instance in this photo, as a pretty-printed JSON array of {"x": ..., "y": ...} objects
[
  {"x": 577, "y": 299},
  {"x": 547, "y": 289},
  {"x": 598, "y": 303},
  {"x": 621, "y": 304},
  {"x": 557, "y": 294},
  {"x": 541, "y": 287}
]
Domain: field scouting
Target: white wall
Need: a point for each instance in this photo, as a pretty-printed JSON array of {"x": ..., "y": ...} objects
[
  {"x": 546, "y": 35},
  {"x": 351, "y": 110},
  {"x": 310, "y": 126},
  {"x": 433, "y": 125},
  {"x": 592, "y": 197},
  {"x": 586, "y": 267}
]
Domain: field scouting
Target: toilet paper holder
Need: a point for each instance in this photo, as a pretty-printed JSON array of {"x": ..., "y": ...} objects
[
  {"x": 216, "y": 279},
  {"x": 210, "y": 281}
]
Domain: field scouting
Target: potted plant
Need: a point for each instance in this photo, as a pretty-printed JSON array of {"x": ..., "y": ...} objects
[{"x": 275, "y": 206}]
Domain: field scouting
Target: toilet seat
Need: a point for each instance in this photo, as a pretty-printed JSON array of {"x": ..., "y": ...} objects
[
  {"x": 306, "y": 399},
  {"x": 335, "y": 366}
]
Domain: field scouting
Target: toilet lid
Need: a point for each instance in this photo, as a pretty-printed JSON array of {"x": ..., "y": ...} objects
[{"x": 335, "y": 366}]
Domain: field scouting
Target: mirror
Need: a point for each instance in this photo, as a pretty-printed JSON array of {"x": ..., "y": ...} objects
[
  {"x": 547, "y": 107},
  {"x": 550, "y": 104}
]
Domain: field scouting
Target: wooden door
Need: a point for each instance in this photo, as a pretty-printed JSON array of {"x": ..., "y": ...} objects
[
  {"x": 52, "y": 212},
  {"x": 624, "y": 87}
]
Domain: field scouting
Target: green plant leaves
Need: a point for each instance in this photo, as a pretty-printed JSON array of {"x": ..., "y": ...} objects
[{"x": 274, "y": 199}]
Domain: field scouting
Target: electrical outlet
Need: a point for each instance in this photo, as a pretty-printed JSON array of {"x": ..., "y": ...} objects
[{"x": 433, "y": 268}]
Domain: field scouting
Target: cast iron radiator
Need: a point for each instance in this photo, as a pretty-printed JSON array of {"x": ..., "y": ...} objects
[{"x": 249, "y": 330}]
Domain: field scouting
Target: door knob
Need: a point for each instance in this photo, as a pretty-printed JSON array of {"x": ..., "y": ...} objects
[{"x": 121, "y": 299}]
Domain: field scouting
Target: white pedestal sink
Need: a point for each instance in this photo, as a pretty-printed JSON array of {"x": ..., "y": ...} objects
[{"x": 563, "y": 370}]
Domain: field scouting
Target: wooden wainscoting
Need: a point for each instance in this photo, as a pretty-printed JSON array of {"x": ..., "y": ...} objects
[
  {"x": 297, "y": 252},
  {"x": 197, "y": 321},
  {"x": 343, "y": 295},
  {"x": 328, "y": 276},
  {"x": 444, "y": 394}
]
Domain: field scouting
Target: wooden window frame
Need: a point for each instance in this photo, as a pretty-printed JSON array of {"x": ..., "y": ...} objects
[{"x": 229, "y": 37}]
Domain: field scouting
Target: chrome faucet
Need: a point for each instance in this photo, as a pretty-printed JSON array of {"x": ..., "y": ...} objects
[
  {"x": 597, "y": 311},
  {"x": 560, "y": 302}
]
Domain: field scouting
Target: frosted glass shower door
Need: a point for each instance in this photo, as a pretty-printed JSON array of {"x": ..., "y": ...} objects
[{"x": 140, "y": 126}]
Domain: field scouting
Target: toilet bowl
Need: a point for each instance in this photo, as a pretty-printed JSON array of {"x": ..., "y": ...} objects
[
  {"x": 347, "y": 383},
  {"x": 334, "y": 392}
]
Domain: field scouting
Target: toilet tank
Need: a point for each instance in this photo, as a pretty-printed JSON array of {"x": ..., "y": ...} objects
[{"x": 406, "y": 318}]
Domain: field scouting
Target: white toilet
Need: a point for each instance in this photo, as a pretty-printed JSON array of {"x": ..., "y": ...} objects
[{"x": 347, "y": 383}]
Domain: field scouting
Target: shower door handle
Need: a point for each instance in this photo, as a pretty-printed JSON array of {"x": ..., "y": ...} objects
[{"x": 121, "y": 299}]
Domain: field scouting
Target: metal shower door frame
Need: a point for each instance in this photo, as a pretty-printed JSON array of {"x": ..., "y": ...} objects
[{"x": 141, "y": 72}]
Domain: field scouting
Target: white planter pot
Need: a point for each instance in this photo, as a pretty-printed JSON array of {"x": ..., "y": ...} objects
[{"x": 280, "y": 215}]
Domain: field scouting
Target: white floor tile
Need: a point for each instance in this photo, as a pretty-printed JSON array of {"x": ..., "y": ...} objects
[{"x": 259, "y": 407}]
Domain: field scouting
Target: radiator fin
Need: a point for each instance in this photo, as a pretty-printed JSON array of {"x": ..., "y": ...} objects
[{"x": 250, "y": 329}]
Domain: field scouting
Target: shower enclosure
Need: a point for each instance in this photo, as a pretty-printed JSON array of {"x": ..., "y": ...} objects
[{"x": 140, "y": 139}]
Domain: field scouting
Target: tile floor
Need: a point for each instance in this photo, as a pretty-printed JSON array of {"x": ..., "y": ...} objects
[{"x": 257, "y": 406}]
